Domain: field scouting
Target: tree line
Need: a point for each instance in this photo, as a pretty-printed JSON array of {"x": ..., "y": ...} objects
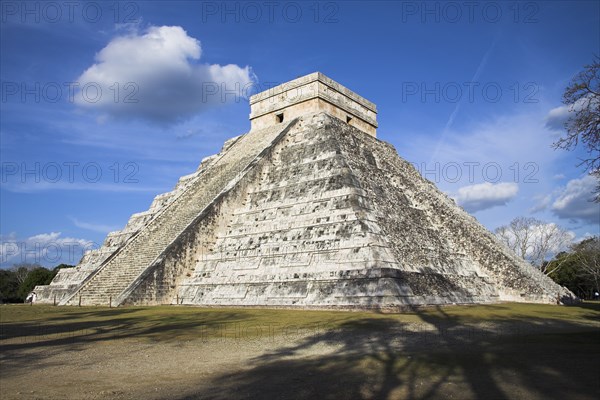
[
  {"x": 578, "y": 268},
  {"x": 551, "y": 249},
  {"x": 19, "y": 280}
]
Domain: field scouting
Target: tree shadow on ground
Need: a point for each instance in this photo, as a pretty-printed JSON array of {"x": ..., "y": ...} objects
[
  {"x": 29, "y": 345},
  {"x": 441, "y": 357}
]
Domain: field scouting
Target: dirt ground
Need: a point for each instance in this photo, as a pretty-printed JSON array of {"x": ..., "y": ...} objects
[{"x": 171, "y": 354}]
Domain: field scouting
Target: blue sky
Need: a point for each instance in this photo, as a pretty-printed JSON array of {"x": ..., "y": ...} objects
[{"x": 105, "y": 105}]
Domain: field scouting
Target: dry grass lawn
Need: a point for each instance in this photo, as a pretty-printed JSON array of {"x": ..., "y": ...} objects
[{"x": 503, "y": 351}]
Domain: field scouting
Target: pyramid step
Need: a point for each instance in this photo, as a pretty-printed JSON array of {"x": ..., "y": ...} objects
[{"x": 118, "y": 273}]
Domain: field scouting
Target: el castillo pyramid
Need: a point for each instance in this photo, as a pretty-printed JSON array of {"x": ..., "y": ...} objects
[{"x": 308, "y": 209}]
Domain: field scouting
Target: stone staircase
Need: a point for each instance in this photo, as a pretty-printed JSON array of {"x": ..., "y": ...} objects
[{"x": 108, "y": 284}]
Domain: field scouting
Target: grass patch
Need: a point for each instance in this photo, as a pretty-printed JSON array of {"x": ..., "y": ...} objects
[
  {"x": 498, "y": 351},
  {"x": 188, "y": 323}
]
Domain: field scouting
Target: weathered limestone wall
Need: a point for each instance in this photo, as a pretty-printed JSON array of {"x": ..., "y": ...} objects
[
  {"x": 233, "y": 253},
  {"x": 159, "y": 283},
  {"x": 428, "y": 231},
  {"x": 116, "y": 275},
  {"x": 310, "y": 94},
  {"x": 331, "y": 217},
  {"x": 312, "y": 211},
  {"x": 69, "y": 280}
]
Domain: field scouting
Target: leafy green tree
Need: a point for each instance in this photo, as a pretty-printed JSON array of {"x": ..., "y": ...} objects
[
  {"x": 38, "y": 276},
  {"x": 563, "y": 270},
  {"x": 588, "y": 261},
  {"x": 9, "y": 285},
  {"x": 20, "y": 279},
  {"x": 579, "y": 268},
  {"x": 21, "y": 270}
]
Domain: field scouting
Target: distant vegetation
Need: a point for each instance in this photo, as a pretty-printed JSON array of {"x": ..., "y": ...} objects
[
  {"x": 575, "y": 265},
  {"x": 20, "y": 279},
  {"x": 578, "y": 268}
]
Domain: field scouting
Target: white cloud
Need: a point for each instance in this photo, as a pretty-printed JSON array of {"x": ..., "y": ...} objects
[
  {"x": 159, "y": 78},
  {"x": 509, "y": 148},
  {"x": 586, "y": 235},
  {"x": 514, "y": 148},
  {"x": 189, "y": 133},
  {"x": 557, "y": 117},
  {"x": 574, "y": 201},
  {"x": 542, "y": 203},
  {"x": 486, "y": 195},
  {"x": 46, "y": 249},
  {"x": 93, "y": 227}
]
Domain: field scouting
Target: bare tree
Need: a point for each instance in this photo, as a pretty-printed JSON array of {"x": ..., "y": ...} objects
[
  {"x": 548, "y": 240},
  {"x": 582, "y": 97},
  {"x": 588, "y": 260},
  {"x": 22, "y": 270},
  {"x": 516, "y": 235},
  {"x": 534, "y": 240}
]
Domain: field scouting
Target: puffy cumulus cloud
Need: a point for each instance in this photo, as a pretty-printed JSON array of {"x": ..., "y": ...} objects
[
  {"x": 47, "y": 249},
  {"x": 557, "y": 117},
  {"x": 157, "y": 76},
  {"x": 485, "y": 195},
  {"x": 575, "y": 201}
]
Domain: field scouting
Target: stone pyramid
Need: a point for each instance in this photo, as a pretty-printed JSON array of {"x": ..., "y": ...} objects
[{"x": 308, "y": 209}]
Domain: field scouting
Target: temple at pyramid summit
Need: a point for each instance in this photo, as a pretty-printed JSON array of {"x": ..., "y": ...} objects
[{"x": 310, "y": 210}]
